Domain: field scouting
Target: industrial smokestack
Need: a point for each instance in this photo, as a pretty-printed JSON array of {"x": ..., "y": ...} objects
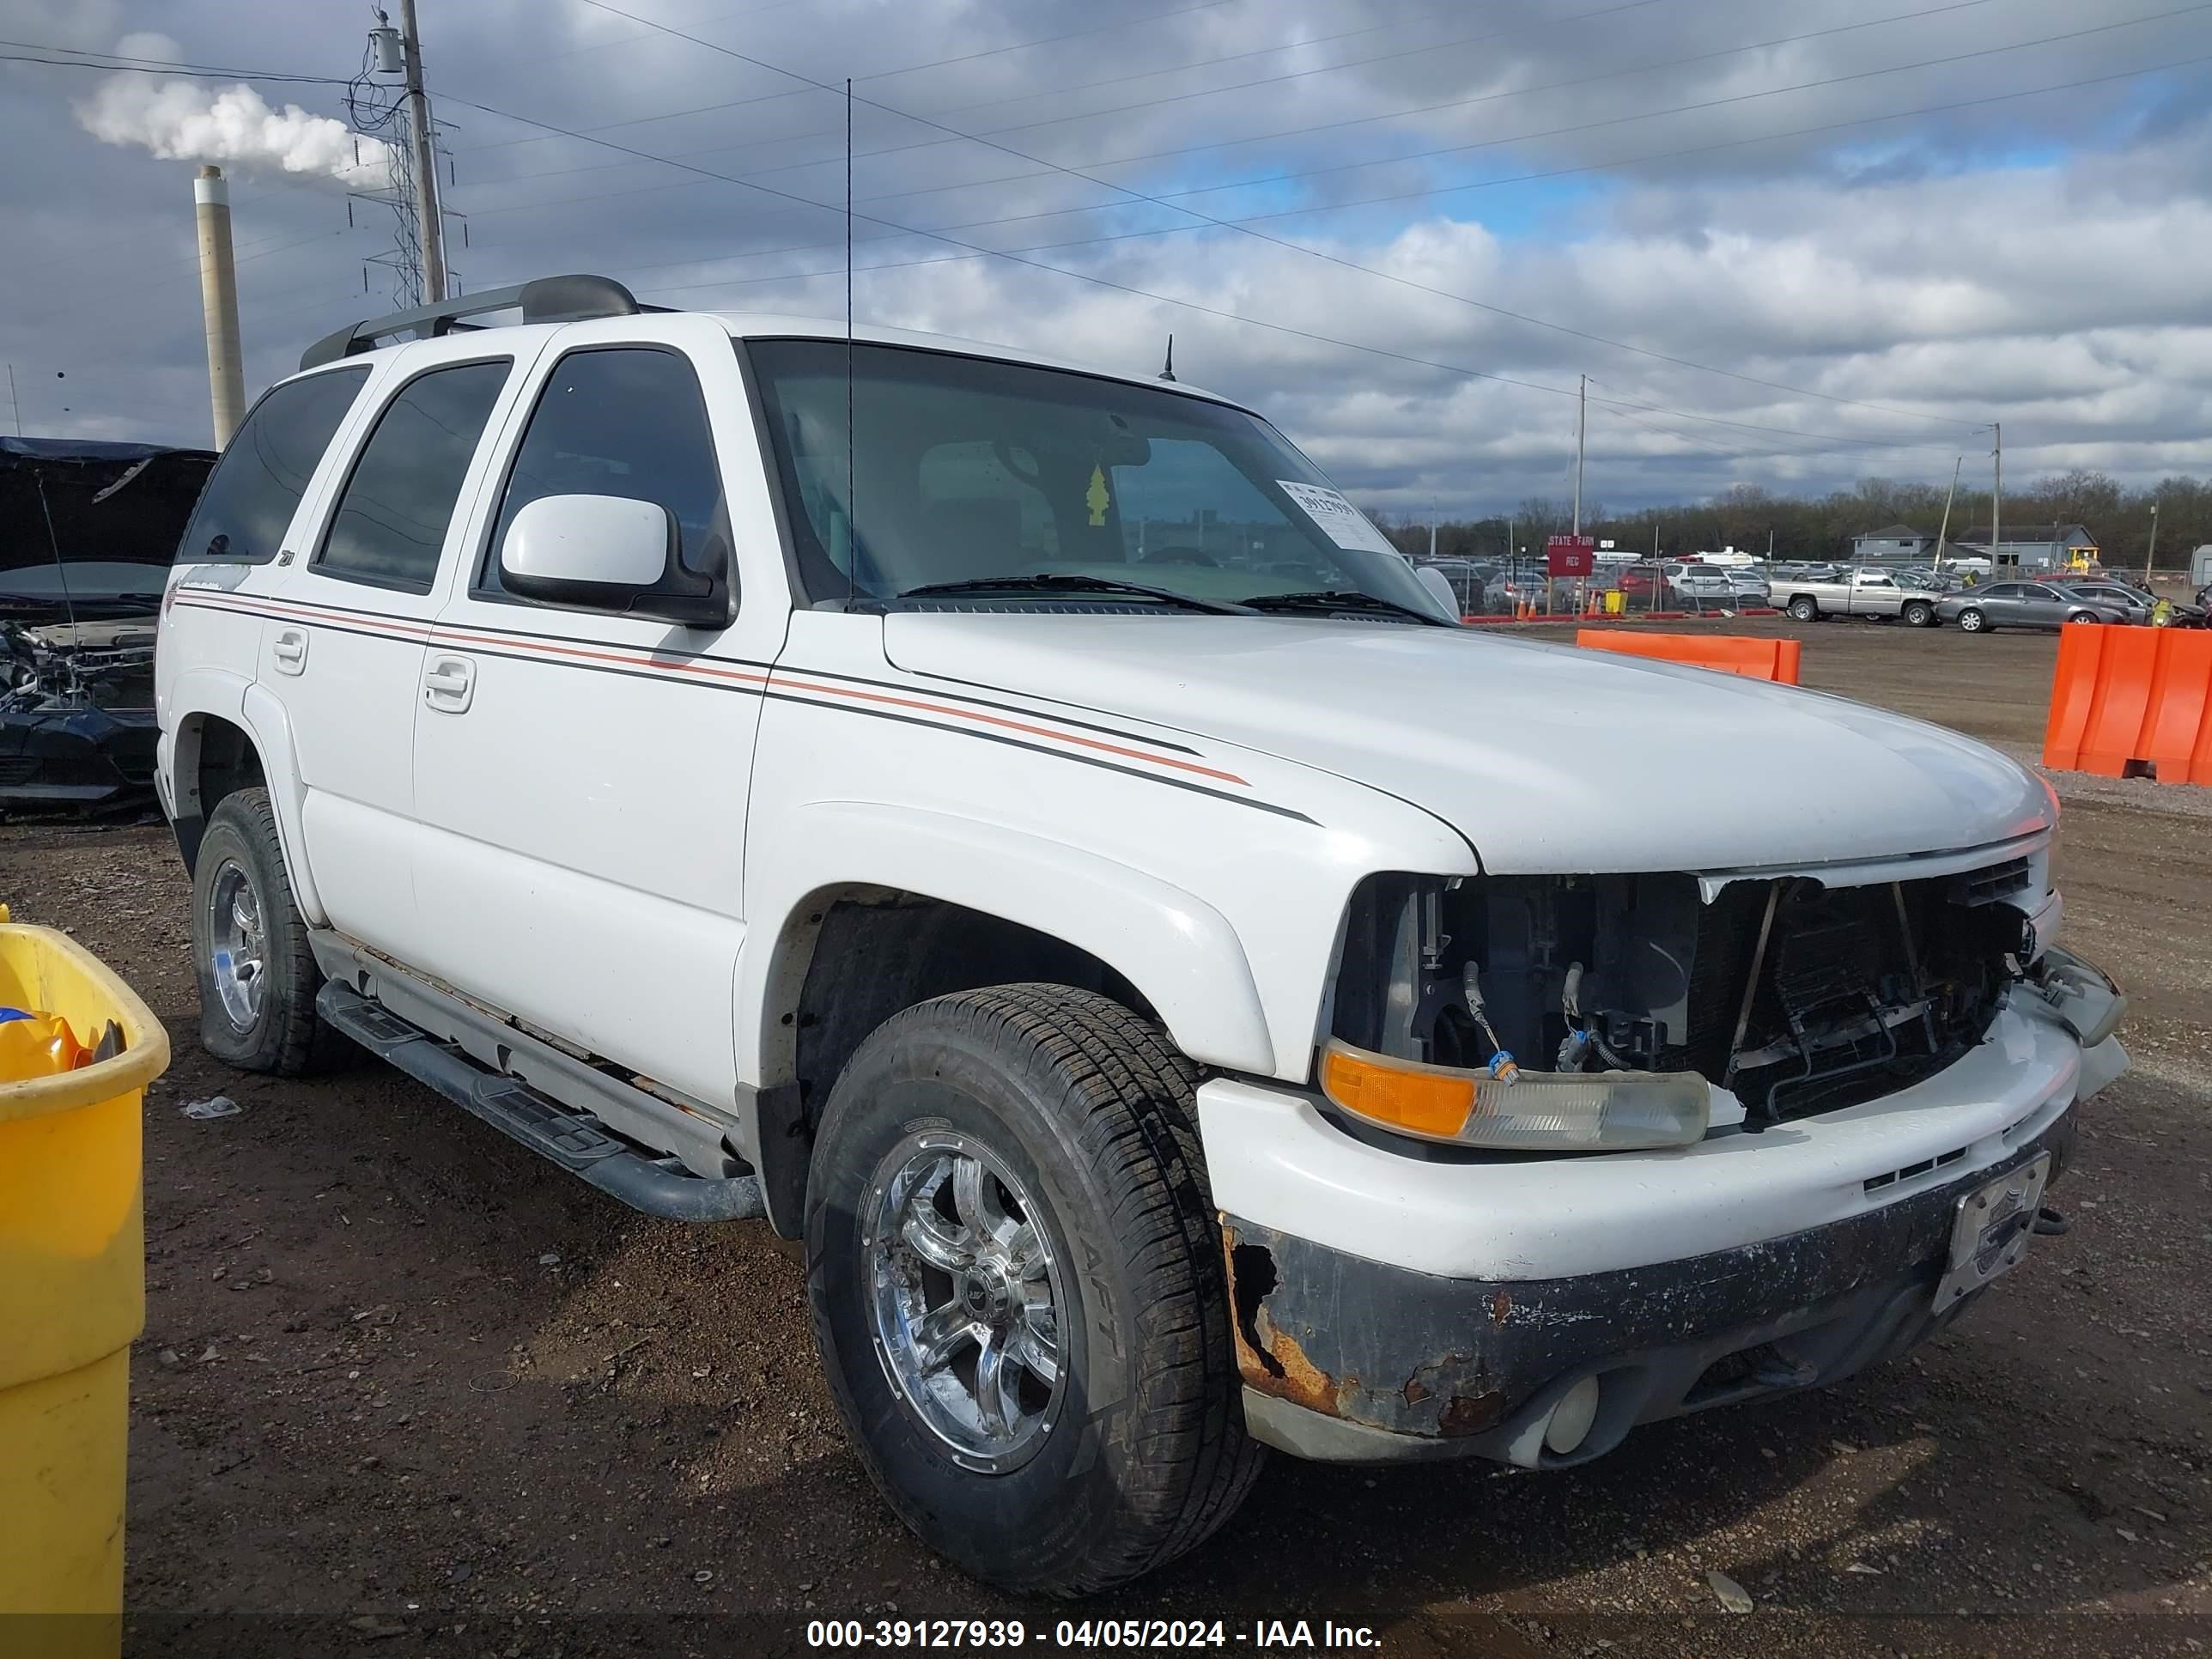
[{"x": 219, "y": 303}]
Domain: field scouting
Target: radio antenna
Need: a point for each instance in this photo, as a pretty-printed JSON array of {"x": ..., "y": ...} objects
[
  {"x": 1168, "y": 373},
  {"x": 852, "y": 520}
]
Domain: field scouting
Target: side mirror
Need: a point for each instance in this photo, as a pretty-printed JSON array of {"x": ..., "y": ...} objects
[
  {"x": 1440, "y": 589},
  {"x": 607, "y": 553}
]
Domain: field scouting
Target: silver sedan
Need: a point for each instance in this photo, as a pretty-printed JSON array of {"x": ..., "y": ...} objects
[{"x": 2022, "y": 604}]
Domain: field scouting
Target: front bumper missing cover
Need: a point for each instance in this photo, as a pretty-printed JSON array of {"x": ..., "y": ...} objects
[{"x": 1346, "y": 1359}]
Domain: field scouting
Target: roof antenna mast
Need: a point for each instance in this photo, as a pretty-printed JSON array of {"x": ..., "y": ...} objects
[
  {"x": 851, "y": 523},
  {"x": 1168, "y": 373}
]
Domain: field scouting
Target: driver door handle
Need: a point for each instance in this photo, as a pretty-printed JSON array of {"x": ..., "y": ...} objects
[{"x": 449, "y": 682}]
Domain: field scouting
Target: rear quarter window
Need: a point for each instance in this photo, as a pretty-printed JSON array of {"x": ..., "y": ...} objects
[{"x": 250, "y": 499}]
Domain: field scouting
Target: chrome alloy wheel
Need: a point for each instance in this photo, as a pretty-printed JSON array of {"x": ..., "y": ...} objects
[
  {"x": 236, "y": 945},
  {"x": 964, "y": 1298}
]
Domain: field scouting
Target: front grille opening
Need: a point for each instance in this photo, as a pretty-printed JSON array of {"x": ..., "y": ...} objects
[
  {"x": 1913, "y": 1171},
  {"x": 1798, "y": 998}
]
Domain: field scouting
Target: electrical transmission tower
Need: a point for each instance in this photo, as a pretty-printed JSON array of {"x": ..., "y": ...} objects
[{"x": 384, "y": 103}]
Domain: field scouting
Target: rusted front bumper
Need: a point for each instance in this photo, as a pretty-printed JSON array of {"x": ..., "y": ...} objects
[{"x": 1349, "y": 1360}]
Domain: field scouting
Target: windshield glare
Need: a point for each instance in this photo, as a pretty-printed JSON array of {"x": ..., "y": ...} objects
[
  {"x": 965, "y": 469},
  {"x": 83, "y": 580}
]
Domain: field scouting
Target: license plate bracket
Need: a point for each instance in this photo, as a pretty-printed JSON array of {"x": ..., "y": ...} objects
[{"x": 1990, "y": 1229}]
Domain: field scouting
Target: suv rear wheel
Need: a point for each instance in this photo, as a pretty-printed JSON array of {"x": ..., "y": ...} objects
[
  {"x": 1017, "y": 1288},
  {"x": 257, "y": 978}
]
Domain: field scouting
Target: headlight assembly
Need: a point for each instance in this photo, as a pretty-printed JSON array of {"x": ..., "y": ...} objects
[{"x": 1539, "y": 1112}]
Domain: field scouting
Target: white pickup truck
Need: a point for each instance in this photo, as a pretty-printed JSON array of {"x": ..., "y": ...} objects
[
  {"x": 992, "y": 819},
  {"x": 1865, "y": 592}
]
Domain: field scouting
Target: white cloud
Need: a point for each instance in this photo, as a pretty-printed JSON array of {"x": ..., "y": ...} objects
[{"x": 2036, "y": 261}]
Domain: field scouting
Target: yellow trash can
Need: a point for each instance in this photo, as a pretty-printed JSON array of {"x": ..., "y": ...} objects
[
  {"x": 1616, "y": 602},
  {"x": 72, "y": 1297}
]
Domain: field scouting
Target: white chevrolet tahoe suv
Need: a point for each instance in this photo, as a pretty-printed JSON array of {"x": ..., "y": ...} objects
[{"x": 1020, "y": 830}]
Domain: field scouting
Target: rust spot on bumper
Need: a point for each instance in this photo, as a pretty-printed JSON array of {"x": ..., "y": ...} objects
[
  {"x": 1435, "y": 1398},
  {"x": 1267, "y": 1358}
]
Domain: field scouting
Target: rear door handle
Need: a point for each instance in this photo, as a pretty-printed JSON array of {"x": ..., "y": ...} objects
[
  {"x": 449, "y": 682},
  {"x": 291, "y": 650}
]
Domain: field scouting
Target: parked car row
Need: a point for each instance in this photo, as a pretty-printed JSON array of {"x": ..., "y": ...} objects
[
  {"x": 2054, "y": 605},
  {"x": 1872, "y": 591}
]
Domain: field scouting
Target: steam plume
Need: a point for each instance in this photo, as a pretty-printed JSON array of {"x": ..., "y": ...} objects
[{"x": 182, "y": 120}]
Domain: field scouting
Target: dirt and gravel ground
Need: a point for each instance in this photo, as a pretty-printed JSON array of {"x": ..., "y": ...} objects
[{"x": 402, "y": 1383}]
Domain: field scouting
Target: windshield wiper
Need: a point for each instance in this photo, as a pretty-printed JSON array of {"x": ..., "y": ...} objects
[
  {"x": 1061, "y": 581},
  {"x": 1340, "y": 598}
]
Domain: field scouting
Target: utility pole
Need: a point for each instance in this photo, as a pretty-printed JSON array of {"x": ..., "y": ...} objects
[
  {"x": 1944, "y": 529},
  {"x": 1582, "y": 434},
  {"x": 429, "y": 223},
  {"x": 12, "y": 402},
  {"x": 1997, "y": 494},
  {"x": 1433, "y": 527},
  {"x": 2153, "y": 553}
]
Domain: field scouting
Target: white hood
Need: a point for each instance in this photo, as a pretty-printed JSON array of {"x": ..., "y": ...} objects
[{"x": 1550, "y": 760}]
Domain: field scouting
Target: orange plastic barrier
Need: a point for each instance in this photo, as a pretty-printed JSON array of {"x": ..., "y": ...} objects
[
  {"x": 1728, "y": 653},
  {"x": 2124, "y": 697}
]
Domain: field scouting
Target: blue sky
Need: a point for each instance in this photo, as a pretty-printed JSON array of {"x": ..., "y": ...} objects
[{"x": 1793, "y": 246}]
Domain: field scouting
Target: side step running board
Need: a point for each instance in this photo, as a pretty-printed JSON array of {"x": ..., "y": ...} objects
[{"x": 574, "y": 1141}]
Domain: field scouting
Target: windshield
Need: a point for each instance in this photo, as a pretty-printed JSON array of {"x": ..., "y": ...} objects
[{"x": 966, "y": 469}]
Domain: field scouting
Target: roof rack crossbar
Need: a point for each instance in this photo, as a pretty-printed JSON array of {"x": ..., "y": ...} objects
[{"x": 547, "y": 300}]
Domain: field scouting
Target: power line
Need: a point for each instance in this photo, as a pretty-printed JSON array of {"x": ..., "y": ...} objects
[
  {"x": 1339, "y": 260},
  {"x": 1174, "y": 196},
  {"x": 1016, "y": 258},
  {"x": 1482, "y": 184},
  {"x": 78, "y": 59},
  {"x": 652, "y": 28},
  {"x": 1547, "y": 132},
  {"x": 1542, "y": 26}
]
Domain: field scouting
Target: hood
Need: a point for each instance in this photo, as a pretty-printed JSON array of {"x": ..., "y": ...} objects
[
  {"x": 90, "y": 520},
  {"x": 1550, "y": 760}
]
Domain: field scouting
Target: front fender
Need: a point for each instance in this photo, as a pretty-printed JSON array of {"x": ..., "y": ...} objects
[
  {"x": 1177, "y": 950},
  {"x": 199, "y": 695},
  {"x": 271, "y": 728}
]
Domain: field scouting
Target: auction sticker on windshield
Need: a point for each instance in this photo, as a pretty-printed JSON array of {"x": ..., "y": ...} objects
[{"x": 1345, "y": 525}]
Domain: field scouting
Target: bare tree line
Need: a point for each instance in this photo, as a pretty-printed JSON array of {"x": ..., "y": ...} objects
[{"x": 1806, "y": 527}]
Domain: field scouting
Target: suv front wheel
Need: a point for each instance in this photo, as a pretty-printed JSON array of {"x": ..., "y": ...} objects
[{"x": 1018, "y": 1292}]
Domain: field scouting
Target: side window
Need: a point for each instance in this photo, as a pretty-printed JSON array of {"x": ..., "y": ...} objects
[
  {"x": 627, "y": 421},
  {"x": 255, "y": 488},
  {"x": 390, "y": 526}
]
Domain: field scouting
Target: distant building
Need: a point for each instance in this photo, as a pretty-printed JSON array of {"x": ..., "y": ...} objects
[
  {"x": 2028, "y": 546},
  {"x": 1891, "y": 544}
]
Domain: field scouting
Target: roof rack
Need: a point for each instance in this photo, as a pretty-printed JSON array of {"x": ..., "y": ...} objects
[{"x": 547, "y": 300}]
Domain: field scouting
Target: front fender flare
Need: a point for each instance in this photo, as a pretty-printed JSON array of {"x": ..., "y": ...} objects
[
  {"x": 272, "y": 736},
  {"x": 1177, "y": 950}
]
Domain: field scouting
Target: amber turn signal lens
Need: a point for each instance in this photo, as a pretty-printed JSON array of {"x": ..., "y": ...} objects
[{"x": 1427, "y": 1102}]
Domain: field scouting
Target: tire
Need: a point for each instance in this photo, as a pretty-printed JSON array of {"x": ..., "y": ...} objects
[
  {"x": 1080, "y": 1117},
  {"x": 1920, "y": 614},
  {"x": 273, "y": 1027},
  {"x": 2084, "y": 617},
  {"x": 1971, "y": 621},
  {"x": 1805, "y": 608}
]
